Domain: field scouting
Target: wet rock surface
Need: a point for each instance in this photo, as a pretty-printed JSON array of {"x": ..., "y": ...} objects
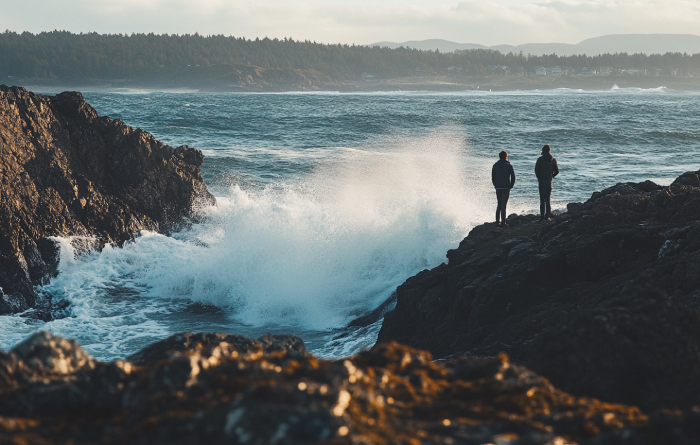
[
  {"x": 221, "y": 388},
  {"x": 602, "y": 300},
  {"x": 65, "y": 170}
]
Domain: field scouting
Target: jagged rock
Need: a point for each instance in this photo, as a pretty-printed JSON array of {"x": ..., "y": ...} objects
[
  {"x": 64, "y": 170},
  {"x": 43, "y": 356},
  {"x": 603, "y": 300},
  {"x": 179, "y": 343},
  {"x": 219, "y": 388}
]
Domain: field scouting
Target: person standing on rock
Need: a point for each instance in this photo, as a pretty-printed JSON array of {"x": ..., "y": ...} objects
[
  {"x": 503, "y": 178},
  {"x": 546, "y": 169}
]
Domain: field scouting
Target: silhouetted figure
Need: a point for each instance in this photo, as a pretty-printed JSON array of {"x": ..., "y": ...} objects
[
  {"x": 546, "y": 169},
  {"x": 503, "y": 178}
]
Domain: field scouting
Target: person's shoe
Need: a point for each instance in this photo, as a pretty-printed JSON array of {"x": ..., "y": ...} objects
[
  {"x": 505, "y": 225},
  {"x": 498, "y": 223}
]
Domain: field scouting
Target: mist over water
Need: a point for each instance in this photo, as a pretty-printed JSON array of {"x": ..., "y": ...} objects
[{"x": 326, "y": 203}]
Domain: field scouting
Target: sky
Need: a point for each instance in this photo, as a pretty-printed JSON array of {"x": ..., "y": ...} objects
[{"x": 487, "y": 22}]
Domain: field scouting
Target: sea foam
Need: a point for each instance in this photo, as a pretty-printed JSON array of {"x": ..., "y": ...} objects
[{"x": 313, "y": 253}]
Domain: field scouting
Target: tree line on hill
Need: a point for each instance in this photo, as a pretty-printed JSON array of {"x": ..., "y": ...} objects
[
  {"x": 685, "y": 63},
  {"x": 61, "y": 55}
]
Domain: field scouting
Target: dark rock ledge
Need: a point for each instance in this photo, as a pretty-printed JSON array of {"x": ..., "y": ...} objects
[
  {"x": 603, "y": 300},
  {"x": 222, "y": 389},
  {"x": 64, "y": 170}
]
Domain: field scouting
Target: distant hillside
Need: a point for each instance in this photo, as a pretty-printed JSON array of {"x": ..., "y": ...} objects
[
  {"x": 237, "y": 64},
  {"x": 641, "y": 43},
  {"x": 618, "y": 43},
  {"x": 431, "y": 45}
]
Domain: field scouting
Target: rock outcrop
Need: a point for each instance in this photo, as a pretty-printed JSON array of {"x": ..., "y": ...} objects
[
  {"x": 64, "y": 170},
  {"x": 603, "y": 300},
  {"x": 220, "y": 388},
  {"x": 227, "y": 77}
]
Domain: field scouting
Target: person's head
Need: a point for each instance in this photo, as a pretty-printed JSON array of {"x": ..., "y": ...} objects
[
  {"x": 503, "y": 155},
  {"x": 546, "y": 149}
]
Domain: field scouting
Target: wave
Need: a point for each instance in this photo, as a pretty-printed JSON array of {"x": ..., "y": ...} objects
[
  {"x": 313, "y": 253},
  {"x": 660, "y": 89}
]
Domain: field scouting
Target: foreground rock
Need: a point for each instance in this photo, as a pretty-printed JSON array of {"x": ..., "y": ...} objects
[
  {"x": 219, "y": 388},
  {"x": 603, "y": 300},
  {"x": 64, "y": 170}
]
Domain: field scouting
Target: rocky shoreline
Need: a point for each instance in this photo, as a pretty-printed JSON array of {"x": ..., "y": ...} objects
[
  {"x": 603, "y": 300},
  {"x": 219, "y": 388},
  {"x": 597, "y": 311},
  {"x": 66, "y": 171}
]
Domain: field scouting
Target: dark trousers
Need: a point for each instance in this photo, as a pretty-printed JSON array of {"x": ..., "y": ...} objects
[
  {"x": 502, "y": 196},
  {"x": 545, "y": 195}
]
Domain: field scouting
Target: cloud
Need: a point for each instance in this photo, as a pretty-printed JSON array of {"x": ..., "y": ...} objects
[{"x": 487, "y": 22}]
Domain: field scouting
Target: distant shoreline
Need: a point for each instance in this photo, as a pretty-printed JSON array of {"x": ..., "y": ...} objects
[
  {"x": 428, "y": 83},
  {"x": 494, "y": 84}
]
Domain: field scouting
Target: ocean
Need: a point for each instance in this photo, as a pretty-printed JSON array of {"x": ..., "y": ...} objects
[{"x": 327, "y": 202}]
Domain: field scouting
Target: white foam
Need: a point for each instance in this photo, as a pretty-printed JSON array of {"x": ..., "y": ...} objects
[
  {"x": 106, "y": 316},
  {"x": 634, "y": 90},
  {"x": 354, "y": 341},
  {"x": 317, "y": 252},
  {"x": 313, "y": 253}
]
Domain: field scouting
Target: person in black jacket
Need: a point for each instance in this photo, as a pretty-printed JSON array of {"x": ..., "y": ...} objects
[
  {"x": 546, "y": 169},
  {"x": 503, "y": 178}
]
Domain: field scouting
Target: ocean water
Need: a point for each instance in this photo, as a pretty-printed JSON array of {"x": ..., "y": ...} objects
[{"x": 327, "y": 202}]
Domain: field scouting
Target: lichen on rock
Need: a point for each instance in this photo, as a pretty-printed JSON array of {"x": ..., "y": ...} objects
[{"x": 222, "y": 388}]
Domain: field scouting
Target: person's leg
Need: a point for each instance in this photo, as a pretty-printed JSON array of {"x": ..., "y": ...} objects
[
  {"x": 498, "y": 205},
  {"x": 548, "y": 198},
  {"x": 542, "y": 200},
  {"x": 505, "y": 194}
]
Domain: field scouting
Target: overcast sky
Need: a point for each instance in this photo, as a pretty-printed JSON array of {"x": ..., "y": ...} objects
[{"x": 488, "y": 22}]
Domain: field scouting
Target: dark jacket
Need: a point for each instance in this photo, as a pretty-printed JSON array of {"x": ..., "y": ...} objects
[
  {"x": 502, "y": 175},
  {"x": 546, "y": 168}
]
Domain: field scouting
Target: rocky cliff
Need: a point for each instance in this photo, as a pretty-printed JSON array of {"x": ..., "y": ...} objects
[
  {"x": 221, "y": 389},
  {"x": 64, "y": 170},
  {"x": 227, "y": 77},
  {"x": 603, "y": 300}
]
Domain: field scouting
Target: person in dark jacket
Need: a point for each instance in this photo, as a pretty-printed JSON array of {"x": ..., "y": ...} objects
[
  {"x": 546, "y": 169},
  {"x": 503, "y": 178}
]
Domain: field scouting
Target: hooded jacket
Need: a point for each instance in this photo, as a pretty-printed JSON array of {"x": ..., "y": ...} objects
[
  {"x": 546, "y": 168},
  {"x": 502, "y": 175}
]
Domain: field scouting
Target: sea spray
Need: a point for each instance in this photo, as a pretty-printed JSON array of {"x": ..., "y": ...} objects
[
  {"x": 303, "y": 256},
  {"x": 323, "y": 150},
  {"x": 320, "y": 251}
]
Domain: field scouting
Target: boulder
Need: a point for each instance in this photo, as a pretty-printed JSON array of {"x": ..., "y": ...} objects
[
  {"x": 222, "y": 388},
  {"x": 66, "y": 171},
  {"x": 603, "y": 300}
]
